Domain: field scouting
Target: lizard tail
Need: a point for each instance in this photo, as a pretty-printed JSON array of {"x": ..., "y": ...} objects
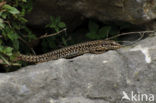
[{"x": 28, "y": 58}]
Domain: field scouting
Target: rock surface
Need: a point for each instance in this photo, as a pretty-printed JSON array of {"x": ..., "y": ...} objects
[
  {"x": 72, "y": 11},
  {"x": 88, "y": 78}
]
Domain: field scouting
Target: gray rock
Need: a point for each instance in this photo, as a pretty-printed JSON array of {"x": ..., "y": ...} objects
[
  {"x": 89, "y": 78},
  {"x": 74, "y": 11}
]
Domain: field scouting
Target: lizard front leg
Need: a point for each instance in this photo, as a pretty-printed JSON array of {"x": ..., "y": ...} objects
[{"x": 97, "y": 51}]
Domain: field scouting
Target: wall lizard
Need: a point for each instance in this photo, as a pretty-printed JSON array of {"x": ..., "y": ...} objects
[{"x": 95, "y": 47}]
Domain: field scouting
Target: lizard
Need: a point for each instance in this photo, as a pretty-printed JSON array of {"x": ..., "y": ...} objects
[{"x": 94, "y": 47}]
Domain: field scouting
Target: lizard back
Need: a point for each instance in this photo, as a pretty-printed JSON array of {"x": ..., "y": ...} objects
[{"x": 97, "y": 46}]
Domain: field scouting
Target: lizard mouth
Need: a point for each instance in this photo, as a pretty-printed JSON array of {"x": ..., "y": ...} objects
[{"x": 116, "y": 47}]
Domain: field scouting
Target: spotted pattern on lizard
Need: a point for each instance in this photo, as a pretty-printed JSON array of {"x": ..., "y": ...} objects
[{"x": 95, "y": 47}]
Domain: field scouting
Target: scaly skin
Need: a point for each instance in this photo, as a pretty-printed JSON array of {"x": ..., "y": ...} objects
[{"x": 95, "y": 47}]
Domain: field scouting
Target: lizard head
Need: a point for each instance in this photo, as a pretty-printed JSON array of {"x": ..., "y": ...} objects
[{"x": 110, "y": 45}]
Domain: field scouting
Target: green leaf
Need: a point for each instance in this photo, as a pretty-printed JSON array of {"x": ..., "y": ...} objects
[
  {"x": 56, "y": 24},
  {"x": 64, "y": 41},
  {"x": 6, "y": 50},
  {"x": 23, "y": 20},
  {"x": 44, "y": 44},
  {"x": 57, "y": 29},
  {"x": 53, "y": 21},
  {"x": 51, "y": 18},
  {"x": 2, "y": 25},
  {"x": 92, "y": 35},
  {"x": 11, "y": 9},
  {"x": 1, "y": 13},
  {"x": 9, "y": 49},
  {"x": 1, "y": 20},
  {"x": 57, "y": 20},
  {"x": 24, "y": 0},
  {"x": 61, "y": 25},
  {"x": 1, "y": 48},
  {"x": 104, "y": 31},
  {"x": 12, "y": 35},
  {"x": 4, "y": 15},
  {"x": 1, "y": 42},
  {"x": 31, "y": 37},
  {"x": 93, "y": 27},
  {"x": 12, "y": 57},
  {"x": 51, "y": 42},
  {"x": 16, "y": 44}
]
